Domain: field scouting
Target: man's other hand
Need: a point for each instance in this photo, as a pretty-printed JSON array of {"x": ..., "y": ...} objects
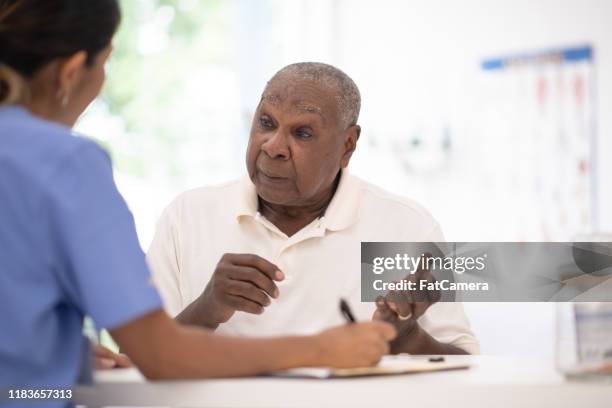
[{"x": 403, "y": 308}]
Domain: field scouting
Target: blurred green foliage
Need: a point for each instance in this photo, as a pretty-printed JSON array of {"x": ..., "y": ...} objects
[{"x": 159, "y": 44}]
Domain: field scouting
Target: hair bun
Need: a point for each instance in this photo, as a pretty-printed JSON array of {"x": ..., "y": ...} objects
[{"x": 12, "y": 85}]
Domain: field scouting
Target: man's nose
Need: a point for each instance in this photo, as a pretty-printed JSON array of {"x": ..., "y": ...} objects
[{"x": 276, "y": 146}]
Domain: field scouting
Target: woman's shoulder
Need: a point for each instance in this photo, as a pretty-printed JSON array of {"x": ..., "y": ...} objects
[
  {"x": 21, "y": 129},
  {"x": 34, "y": 147}
]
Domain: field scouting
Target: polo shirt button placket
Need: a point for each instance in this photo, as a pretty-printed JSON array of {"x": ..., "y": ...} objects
[
  {"x": 288, "y": 276},
  {"x": 320, "y": 222}
]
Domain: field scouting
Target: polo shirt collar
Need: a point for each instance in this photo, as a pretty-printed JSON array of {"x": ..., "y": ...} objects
[
  {"x": 341, "y": 213},
  {"x": 343, "y": 210},
  {"x": 247, "y": 199}
]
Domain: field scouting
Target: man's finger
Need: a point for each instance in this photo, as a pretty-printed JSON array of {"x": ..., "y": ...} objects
[
  {"x": 424, "y": 264},
  {"x": 268, "y": 268},
  {"x": 255, "y": 276},
  {"x": 397, "y": 314},
  {"x": 244, "y": 305},
  {"x": 248, "y": 291},
  {"x": 402, "y": 303},
  {"x": 383, "y": 312}
]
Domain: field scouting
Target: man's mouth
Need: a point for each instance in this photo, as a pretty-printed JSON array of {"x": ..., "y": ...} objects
[{"x": 271, "y": 177}]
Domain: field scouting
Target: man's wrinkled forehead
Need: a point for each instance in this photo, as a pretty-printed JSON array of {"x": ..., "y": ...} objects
[
  {"x": 302, "y": 106},
  {"x": 302, "y": 97}
]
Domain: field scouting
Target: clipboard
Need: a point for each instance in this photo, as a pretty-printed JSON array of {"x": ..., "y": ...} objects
[{"x": 389, "y": 365}]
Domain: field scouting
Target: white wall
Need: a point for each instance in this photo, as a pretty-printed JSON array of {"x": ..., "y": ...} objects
[{"x": 412, "y": 58}]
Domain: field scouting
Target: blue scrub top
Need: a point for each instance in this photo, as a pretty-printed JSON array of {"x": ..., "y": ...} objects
[{"x": 68, "y": 247}]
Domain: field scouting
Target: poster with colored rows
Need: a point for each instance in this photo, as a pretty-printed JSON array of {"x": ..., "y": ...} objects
[{"x": 538, "y": 116}]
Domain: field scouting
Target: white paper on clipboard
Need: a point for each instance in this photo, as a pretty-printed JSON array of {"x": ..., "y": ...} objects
[{"x": 389, "y": 365}]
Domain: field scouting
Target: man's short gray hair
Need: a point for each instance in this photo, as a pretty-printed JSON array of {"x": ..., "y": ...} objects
[{"x": 347, "y": 93}]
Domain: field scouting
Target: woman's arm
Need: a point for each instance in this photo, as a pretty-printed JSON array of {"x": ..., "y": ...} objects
[{"x": 162, "y": 349}]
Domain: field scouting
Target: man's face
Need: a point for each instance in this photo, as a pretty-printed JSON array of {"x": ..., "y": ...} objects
[{"x": 297, "y": 143}]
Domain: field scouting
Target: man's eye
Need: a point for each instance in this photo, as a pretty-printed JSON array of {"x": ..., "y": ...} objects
[
  {"x": 265, "y": 122},
  {"x": 303, "y": 134}
]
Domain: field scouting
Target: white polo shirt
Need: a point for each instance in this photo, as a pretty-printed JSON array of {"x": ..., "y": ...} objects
[{"x": 321, "y": 262}]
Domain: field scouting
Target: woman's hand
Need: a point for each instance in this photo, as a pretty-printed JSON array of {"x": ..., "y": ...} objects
[{"x": 355, "y": 345}]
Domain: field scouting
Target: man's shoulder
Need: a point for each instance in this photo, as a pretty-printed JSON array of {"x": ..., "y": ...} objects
[
  {"x": 212, "y": 192},
  {"x": 207, "y": 198},
  {"x": 381, "y": 199},
  {"x": 386, "y": 216}
]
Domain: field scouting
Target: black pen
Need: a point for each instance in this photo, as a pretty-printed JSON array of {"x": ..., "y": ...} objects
[{"x": 346, "y": 312}]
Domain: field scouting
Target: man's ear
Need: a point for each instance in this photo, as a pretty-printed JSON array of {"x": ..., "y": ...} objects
[
  {"x": 69, "y": 74},
  {"x": 351, "y": 136}
]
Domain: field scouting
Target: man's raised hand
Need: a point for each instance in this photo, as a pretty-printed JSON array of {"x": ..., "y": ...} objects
[{"x": 241, "y": 282}]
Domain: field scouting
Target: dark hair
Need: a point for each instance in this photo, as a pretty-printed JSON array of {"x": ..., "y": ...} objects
[{"x": 35, "y": 32}]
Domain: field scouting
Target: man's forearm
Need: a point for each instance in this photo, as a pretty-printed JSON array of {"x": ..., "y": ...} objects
[
  {"x": 418, "y": 341},
  {"x": 195, "y": 316}
]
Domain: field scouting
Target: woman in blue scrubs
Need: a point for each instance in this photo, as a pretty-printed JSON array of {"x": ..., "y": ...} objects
[{"x": 68, "y": 247}]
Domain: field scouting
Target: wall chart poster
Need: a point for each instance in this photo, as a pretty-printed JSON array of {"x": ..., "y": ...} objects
[{"x": 538, "y": 124}]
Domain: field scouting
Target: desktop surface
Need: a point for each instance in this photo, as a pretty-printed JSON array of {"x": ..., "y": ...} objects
[{"x": 491, "y": 381}]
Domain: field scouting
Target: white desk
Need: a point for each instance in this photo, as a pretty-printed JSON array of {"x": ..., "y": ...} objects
[{"x": 491, "y": 382}]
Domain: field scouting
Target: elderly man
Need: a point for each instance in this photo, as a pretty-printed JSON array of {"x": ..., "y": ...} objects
[{"x": 272, "y": 253}]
